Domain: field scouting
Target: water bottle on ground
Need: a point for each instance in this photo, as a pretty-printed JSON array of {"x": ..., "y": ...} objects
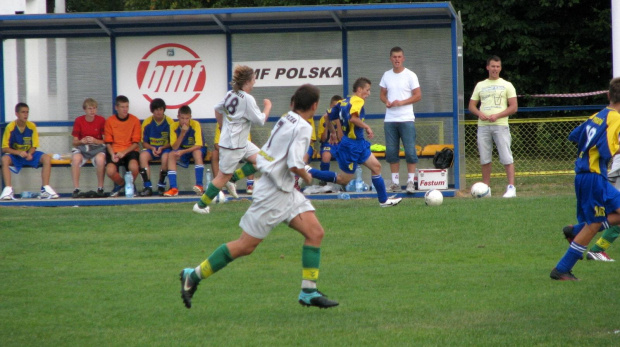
[
  {"x": 350, "y": 186},
  {"x": 344, "y": 196},
  {"x": 128, "y": 184},
  {"x": 359, "y": 183},
  {"x": 208, "y": 178}
]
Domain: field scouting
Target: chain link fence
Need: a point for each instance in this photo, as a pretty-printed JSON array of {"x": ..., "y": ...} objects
[{"x": 540, "y": 145}]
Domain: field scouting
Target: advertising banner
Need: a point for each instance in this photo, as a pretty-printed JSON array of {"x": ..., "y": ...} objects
[
  {"x": 181, "y": 70},
  {"x": 292, "y": 73}
]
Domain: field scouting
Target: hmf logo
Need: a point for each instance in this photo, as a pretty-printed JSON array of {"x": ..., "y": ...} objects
[{"x": 172, "y": 72}]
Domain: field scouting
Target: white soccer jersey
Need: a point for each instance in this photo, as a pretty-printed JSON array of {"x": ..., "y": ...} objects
[
  {"x": 240, "y": 111},
  {"x": 399, "y": 87},
  {"x": 285, "y": 149}
]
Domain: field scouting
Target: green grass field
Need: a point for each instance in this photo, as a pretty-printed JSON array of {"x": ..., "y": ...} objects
[{"x": 467, "y": 273}]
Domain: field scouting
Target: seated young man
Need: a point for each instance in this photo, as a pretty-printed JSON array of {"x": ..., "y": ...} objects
[
  {"x": 329, "y": 150},
  {"x": 88, "y": 145},
  {"x": 155, "y": 145},
  {"x": 122, "y": 138},
  {"x": 186, "y": 142},
  {"x": 19, "y": 148}
]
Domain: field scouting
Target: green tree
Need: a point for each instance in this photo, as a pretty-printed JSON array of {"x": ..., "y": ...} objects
[{"x": 546, "y": 46}]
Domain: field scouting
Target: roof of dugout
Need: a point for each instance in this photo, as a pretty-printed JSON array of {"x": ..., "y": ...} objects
[{"x": 228, "y": 20}]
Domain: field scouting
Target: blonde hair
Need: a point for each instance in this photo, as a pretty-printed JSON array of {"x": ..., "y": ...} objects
[
  {"x": 89, "y": 102},
  {"x": 242, "y": 75}
]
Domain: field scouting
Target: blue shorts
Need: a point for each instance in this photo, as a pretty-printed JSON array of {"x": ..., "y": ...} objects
[
  {"x": 185, "y": 158},
  {"x": 167, "y": 150},
  {"x": 327, "y": 147},
  {"x": 396, "y": 132},
  {"x": 310, "y": 151},
  {"x": 351, "y": 153},
  {"x": 19, "y": 162},
  {"x": 596, "y": 198}
]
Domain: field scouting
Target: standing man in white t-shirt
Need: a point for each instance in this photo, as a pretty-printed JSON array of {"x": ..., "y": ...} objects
[
  {"x": 498, "y": 100},
  {"x": 400, "y": 89}
]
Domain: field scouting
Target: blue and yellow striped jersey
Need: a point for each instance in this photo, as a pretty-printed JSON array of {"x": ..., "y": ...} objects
[
  {"x": 156, "y": 134},
  {"x": 22, "y": 141},
  {"x": 352, "y": 106},
  {"x": 193, "y": 136},
  {"x": 597, "y": 141}
]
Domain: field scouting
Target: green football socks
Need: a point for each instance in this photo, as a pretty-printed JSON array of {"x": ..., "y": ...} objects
[
  {"x": 216, "y": 261},
  {"x": 609, "y": 236},
  {"x": 246, "y": 170},
  {"x": 208, "y": 196},
  {"x": 310, "y": 261}
]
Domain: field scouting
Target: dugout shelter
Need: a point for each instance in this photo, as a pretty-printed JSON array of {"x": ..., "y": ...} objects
[{"x": 54, "y": 61}]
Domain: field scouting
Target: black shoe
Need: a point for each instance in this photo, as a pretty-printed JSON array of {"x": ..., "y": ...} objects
[
  {"x": 568, "y": 233},
  {"x": 75, "y": 194},
  {"x": 188, "y": 287},
  {"x": 317, "y": 299},
  {"x": 148, "y": 191},
  {"x": 117, "y": 191},
  {"x": 100, "y": 193},
  {"x": 562, "y": 276},
  {"x": 161, "y": 190}
]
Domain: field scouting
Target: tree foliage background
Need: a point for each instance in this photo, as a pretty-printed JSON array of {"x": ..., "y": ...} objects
[{"x": 546, "y": 46}]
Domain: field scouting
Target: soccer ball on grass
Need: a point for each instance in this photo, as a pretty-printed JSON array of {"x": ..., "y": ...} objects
[
  {"x": 480, "y": 190},
  {"x": 220, "y": 198},
  {"x": 433, "y": 198}
]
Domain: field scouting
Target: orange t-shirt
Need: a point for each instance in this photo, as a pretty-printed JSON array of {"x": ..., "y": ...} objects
[{"x": 122, "y": 133}]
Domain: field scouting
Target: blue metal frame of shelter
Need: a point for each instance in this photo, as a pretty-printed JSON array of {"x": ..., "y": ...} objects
[{"x": 230, "y": 21}]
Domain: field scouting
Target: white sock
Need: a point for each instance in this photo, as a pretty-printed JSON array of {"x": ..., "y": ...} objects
[
  {"x": 308, "y": 284},
  {"x": 411, "y": 177},
  {"x": 395, "y": 178},
  {"x": 198, "y": 271}
]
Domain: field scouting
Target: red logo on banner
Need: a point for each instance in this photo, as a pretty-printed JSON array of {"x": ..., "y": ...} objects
[{"x": 172, "y": 72}]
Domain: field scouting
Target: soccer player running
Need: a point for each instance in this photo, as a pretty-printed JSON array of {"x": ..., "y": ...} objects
[
  {"x": 275, "y": 200},
  {"x": 598, "y": 202},
  {"x": 354, "y": 149},
  {"x": 235, "y": 115}
]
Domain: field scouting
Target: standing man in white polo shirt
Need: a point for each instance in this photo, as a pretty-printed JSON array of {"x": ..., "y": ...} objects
[{"x": 400, "y": 89}]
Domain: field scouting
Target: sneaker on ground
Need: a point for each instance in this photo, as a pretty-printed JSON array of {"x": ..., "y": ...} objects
[
  {"x": 394, "y": 188},
  {"x": 116, "y": 191},
  {"x": 148, "y": 191},
  {"x": 100, "y": 193},
  {"x": 562, "y": 276},
  {"x": 410, "y": 187},
  {"x": 598, "y": 256},
  {"x": 391, "y": 201},
  {"x": 172, "y": 192},
  {"x": 199, "y": 210},
  {"x": 568, "y": 233},
  {"x": 188, "y": 287},
  {"x": 198, "y": 190},
  {"x": 161, "y": 190},
  {"x": 76, "y": 193},
  {"x": 48, "y": 193},
  {"x": 511, "y": 192},
  {"x": 232, "y": 189},
  {"x": 317, "y": 299},
  {"x": 7, "y": 194},
  {"x": 250, "y": 189}
]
